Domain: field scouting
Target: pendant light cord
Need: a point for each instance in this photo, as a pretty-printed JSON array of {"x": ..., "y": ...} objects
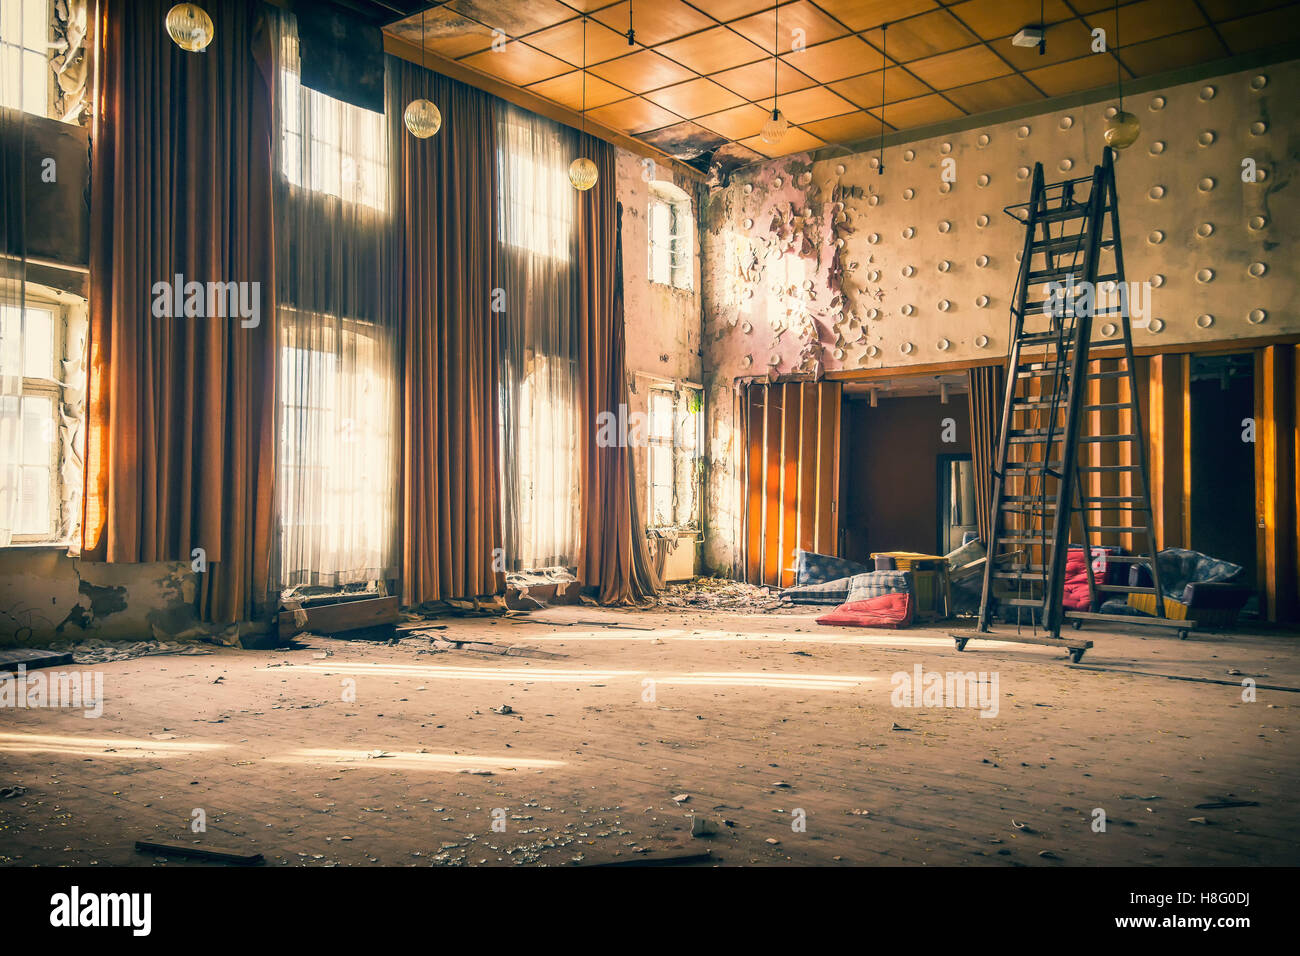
[
  {"x": 884, "y": 65},
  {"x": 776, "y": 50},
  {"x": 1119, "y": 69}
]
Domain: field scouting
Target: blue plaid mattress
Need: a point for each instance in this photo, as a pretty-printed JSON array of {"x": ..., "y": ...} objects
[
  {"x": 877, "y": 583},
  {"x": 830, "y": 592},
  {"x": 813, "y": 568}
]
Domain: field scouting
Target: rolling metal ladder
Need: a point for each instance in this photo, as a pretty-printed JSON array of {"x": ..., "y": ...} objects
[{"x": 1071, "y": 274}]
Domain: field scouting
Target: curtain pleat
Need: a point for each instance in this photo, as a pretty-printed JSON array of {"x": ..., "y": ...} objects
[
  {"x": 180, "y": 409},
  {"x": 447, "y": 270},
  {"x": 608, "y": 559},
  {"x": 985, "y": 422}
]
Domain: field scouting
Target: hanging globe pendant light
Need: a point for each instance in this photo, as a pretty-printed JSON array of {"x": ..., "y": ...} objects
[
  {"x": 1123, "y": 128},
  {"x": 190, "y": 27},
  {"x": 582, "y": 171},
  {"x": 422, "y": 117}
]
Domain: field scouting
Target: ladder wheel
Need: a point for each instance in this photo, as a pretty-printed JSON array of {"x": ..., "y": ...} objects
[
  {"x": 1076, "y": 655},
  {"x": 960, "y": 642},
  {"x": 1182, "y": 635},
  {"x": 1077, "y": 624}
]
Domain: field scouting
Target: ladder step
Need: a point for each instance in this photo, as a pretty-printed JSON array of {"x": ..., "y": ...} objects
[
  {"x": 1039, "y": 578},
  {"x": 1113, "y": 373},
  {"x": 1096, "y": 439},
  {"x": 1107, "y": 406},
  {"x": 1023, "y": 466},
  {"x": 1118, "y": 528},
  {"x": 1045, "y": 541},
  {"x": 1067, "y": 242},
  {"x": 1128, "y": 558},
  {"x": 1124, "y": 589},
  {"x": 1109, "y": 468},
  {"x": 1035, "y": 439},
  {"x": 1021, "y": 602},
  {"x": 1018, "y": 405},
  {"x": 1063, "y": 213},
  {"x": 1114, "y": 499}
]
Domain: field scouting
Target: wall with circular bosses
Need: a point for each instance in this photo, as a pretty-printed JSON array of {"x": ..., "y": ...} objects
[{"x": 833, "y": 264}]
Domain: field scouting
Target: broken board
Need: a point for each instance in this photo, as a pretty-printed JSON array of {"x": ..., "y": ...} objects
[{"x": 29, "y": 658}]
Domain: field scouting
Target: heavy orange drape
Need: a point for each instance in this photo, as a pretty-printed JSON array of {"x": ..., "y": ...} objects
[
  {"x": 986, "y": 399},
  {"x": 447, "y": 254},
  {"x": 179, "y": 452},
  {"x": 609, "y": 556}
]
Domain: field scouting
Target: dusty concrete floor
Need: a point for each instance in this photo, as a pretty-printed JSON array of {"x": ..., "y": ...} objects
[{"x": 753, "y": 717}]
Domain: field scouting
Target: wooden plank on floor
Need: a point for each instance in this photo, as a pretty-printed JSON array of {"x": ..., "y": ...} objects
[
  {"x": 30, "y": 658},
  {"x": 337, "y": 618}
]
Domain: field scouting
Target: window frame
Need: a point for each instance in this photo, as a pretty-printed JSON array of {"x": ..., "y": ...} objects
[
  {"x": 23, "y": 51},
  {"x": 51, "y": 387},
  {"x": 680, "y": 247},
  {"x": 682, "y": 456}
]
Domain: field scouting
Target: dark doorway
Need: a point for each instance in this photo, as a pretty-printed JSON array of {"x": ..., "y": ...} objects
[
  {"x": 891, "y": 484},
  {"x": 1222, "y": 506}
]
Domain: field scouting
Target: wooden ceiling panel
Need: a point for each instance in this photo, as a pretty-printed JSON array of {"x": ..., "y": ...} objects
[
  {"x": 656, "y": 22},
  {"x": 517, "y": 63},
  {"x": 1147, "y": 20},
  {"x": 921, "y": 111},
  {"x": 1171, "y": 53},
  {"x": 695, "y": 98},
  {"x": 712, "y": 51},
  {"x": 642, "y": 71},
  {"x": 974, "y": 64},
  {"x": 1086, "y": 73},
  {"x": 996, "y": 94},
  {"x": 635, "y": 115},
  {"x": 865, "y": 90},
  {"x": 811, "y": 104},
  {"x": 862, "y": 15},
  {"x": 836, "y": 60},
  {"x": 927, "y": 35},
  {"x": 1000, "y": 18},
  {"x": 565, "y": 41},
  {"x": 847, "y": 128},
  {"x": 738, "y": 123},
  {"x": 567, "y": 90},
  {"x": 754, "y": 81},
  {"x": 801, "y": 22},
  {"x": 1261, "y": 30}
]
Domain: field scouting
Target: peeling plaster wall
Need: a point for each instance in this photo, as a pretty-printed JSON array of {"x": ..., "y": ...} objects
[
  {"x": 47, "y": 595},
  {"x": 662, "y": 323},
  {"x": 830, "y": 266}
]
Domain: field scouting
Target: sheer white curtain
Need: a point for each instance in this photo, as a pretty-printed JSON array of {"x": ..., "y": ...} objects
[
  {"x": 337, "y": 388},
  {"x": 22, "y": 86},
  {"x": 539, "y": 387}
]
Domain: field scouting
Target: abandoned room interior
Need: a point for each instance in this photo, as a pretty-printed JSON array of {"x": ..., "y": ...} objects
[{"x": 577, "y": 433}]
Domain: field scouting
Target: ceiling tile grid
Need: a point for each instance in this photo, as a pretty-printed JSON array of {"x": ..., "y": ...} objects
[{"x": 697, "y": 73}]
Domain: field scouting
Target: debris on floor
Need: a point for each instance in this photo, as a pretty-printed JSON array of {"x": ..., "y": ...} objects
[
  {"x": 99, "y": 651},
  {"x": 717, "y": 594}
]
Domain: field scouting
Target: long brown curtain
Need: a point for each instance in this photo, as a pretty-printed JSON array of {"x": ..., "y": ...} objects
[
  {"x": 447, "y": 269},
  {"x": 986, "y": 400},
  {"x": 608, "y": 557},
  {"x": 179, "y": 450}
]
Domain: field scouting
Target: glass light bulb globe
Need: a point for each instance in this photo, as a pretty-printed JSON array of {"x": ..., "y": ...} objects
[
  {"x": 189, "y": 26},
  {"x": 583, "y": 173},
  {"x": 422, "y": 119},
  {"x": 1122, "y": 130},
  {"x": 774, "y": 129}
]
